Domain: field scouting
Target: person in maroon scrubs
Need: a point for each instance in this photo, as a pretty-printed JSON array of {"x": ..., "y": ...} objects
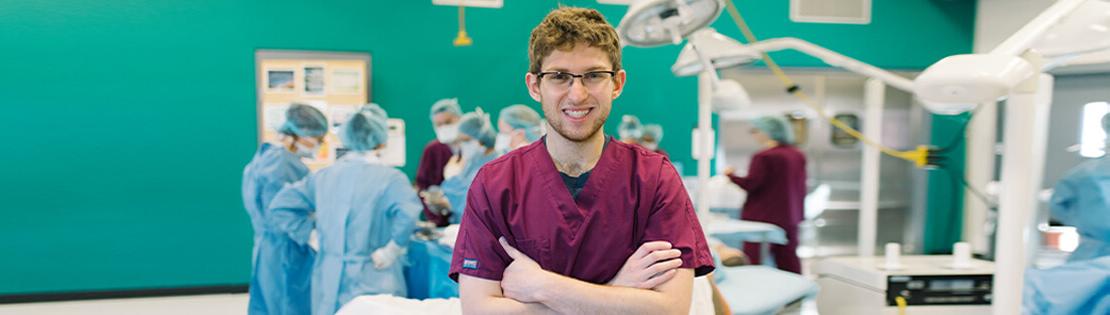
[
  {"x": 577, "y": 222},
  {"x": 776, "y": 186},
  {"x": 445, "y": 115}
]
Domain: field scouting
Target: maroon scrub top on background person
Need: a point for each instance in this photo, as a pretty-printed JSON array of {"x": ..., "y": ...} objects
[
  {"x": 776, "y": 186},
  {"x": 430, "y": 173},
  {"x": 663, "y": 153},
  {"x": 632, "y": 196}
]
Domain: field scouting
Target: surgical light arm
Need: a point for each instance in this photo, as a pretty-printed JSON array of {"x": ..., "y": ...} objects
[
  {"x": 1024, "y": 39},
  {"x": 834, "y": 59}
]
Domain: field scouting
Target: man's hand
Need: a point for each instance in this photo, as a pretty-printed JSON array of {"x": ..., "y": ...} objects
[
  {"x": 523, "y": 278},
  {"x": 729, "y": 171},
  {"x": 654, "y": 263}
]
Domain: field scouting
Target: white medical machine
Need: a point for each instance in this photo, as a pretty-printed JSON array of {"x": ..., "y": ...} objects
[{"x": 940, "y": 284}]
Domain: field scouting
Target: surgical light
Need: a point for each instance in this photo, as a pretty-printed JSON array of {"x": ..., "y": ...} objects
[
  {"x": 956, "y": 83},
  {"x": 660, "y": 22}
]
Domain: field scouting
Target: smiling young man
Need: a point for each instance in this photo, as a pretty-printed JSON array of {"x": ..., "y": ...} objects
[{"x": 578, "y": 223}]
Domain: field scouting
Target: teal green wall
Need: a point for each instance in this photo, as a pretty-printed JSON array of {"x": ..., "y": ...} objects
[
  {"x": 129, "y": 122},
  {"x": 944, "y": 207}
]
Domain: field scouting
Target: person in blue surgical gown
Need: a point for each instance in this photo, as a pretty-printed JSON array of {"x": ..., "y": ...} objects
[
  {"x": 1077, "y": 287},
  {"x": 1082, "y": 285},
  {"x": 476, "y": 142},
  {"x": 364, "y": 211},
  {"x": 280, "y": 269},
  {"x": 1082, "y": 199}
]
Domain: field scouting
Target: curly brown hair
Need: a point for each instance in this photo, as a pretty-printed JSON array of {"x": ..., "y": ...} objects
[{"x": 566, "y": 27}]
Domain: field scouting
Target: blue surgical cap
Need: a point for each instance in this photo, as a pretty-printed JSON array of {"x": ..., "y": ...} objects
[
  {"x": 364, "y": 131},
  {"x": 524, "y": 118},
  {"x": 655, "y": 131},
  {"x": 304, "y": 121},
  {"x": 447, "y": 105},
  {"x": 630, "y": 128},
  {"x": 375, "y": 109},
  {"x": 476, "y": 125},
  {"x": 776, "y": 128}
]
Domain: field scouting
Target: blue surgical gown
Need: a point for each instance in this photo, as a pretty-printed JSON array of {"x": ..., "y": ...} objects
[
  {"x": 456, "y": 187},
  {"x": 1080, "y": 287},
  {"x": 1082, "y": 200},
  {"x": 356, "y": 207},
  {"x": 281, "y": 269}
]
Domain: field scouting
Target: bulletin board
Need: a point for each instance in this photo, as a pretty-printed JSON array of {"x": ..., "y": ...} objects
[{"x": 336, "y": 83}]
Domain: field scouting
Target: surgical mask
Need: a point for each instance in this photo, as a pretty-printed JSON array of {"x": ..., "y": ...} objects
[
  {"x": 447, "y": 133},
  {"x": 471, "y": 148},
  {"x": 305, "y": 151},
  {"x": 651, "y": 146},
  {"x": 504, "y": 142}
]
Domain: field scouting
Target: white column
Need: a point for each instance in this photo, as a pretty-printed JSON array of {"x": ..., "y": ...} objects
[
  {"x": 1026, "y": 125},
  {"x": 979, "y": 167},
  {"x": 873, "y": 94},
  {"x": 703, "y": 150}
]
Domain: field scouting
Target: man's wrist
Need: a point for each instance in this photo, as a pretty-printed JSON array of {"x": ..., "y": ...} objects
[{"x": 548, "y": 283}]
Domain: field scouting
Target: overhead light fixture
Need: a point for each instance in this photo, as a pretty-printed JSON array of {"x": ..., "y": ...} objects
[
  {"x": 958, "y": 83},
  {"x": 660, "y": 22}
]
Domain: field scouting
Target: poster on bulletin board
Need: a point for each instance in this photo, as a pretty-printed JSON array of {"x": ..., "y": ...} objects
[{"x": 335, "y": 83}]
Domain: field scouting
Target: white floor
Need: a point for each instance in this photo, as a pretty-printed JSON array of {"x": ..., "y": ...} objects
[{"x": 218, "y": 304}]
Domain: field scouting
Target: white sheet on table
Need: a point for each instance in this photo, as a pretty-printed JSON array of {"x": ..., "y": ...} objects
[
  {"x": 701, "y": 303},
  {"x": 730, "y": 230},
  {"x": 450, "y": 233},
  {"x": 388, "y": 304}
]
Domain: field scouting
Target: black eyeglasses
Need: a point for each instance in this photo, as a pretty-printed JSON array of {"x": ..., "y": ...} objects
[{"x": 566, "y": 79}]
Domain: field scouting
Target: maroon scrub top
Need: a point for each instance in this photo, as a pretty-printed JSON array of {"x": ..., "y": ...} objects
[
  {"x": 632, "y": 196},
  {"x": 664, "y": 153},
  {"x": 430, "y": 173},
  {"x": 776, "y": 186}
]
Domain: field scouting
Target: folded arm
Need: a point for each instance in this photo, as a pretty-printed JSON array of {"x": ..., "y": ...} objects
[
  {"x": 481, "y": 296},
  {"x": 524, "y": 281},
  {"x": 571, "y": 296}
]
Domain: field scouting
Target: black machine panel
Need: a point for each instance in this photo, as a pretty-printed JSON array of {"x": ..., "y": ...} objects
[{"x": 939, "y": 290}]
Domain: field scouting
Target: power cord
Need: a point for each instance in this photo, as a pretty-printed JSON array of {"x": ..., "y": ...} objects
[{"x": 918, "y": 156}]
